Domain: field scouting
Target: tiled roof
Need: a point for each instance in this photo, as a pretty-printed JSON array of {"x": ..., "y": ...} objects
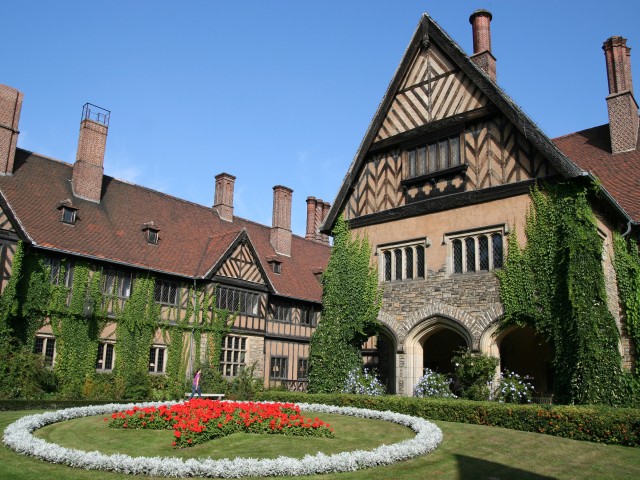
[
  {"x": 620, "y": 174},
  {"x": 192, "y": 237}
]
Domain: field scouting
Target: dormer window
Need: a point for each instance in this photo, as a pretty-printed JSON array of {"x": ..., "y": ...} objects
[
  {"x": 276, "y": 265},
  {"x": 68, "y": 212},
  {"x": 152, "y": 233}
]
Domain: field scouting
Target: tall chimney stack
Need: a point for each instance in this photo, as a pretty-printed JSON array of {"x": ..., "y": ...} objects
[
  {"x": 311, "y": 218},
  {"x": 223, "y": 198},
  {"x": 281, "y": 225},
  {"x": 10, "y": 108},
  {"x": 621, "y": 104},
  {"x": 481, "y": 27},
  {"x": 86, "y": 180},
  {"x": 325, "y": 211}
]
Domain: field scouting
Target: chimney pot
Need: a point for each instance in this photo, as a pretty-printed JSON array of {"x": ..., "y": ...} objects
[
  {"x": 621, "y": 104},
  {"x": 481, "y": 28},
  {"x": 89, "y": 167},
  {"x": 10, "y": 108},
  {"x": 223, "y": 197},
  {"x": 281, "y": 225}
]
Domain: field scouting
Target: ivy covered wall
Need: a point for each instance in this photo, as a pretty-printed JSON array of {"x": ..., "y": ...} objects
[{"x": 556, "y": 285}]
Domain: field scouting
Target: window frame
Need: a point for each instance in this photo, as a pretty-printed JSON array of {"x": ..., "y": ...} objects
[
  {"x": 68, "y": 215},
  {"x": 460, "y": 245},
  {"x": 162, "y": 285},
  {"x": 425, "y": 158},
  {"x": 230, "y": 363},
  {"x": 121, "y": 279},
  {"x": 282, "y": 364},
  {"x": 108, "y": 351},
  {"x": 48, "y": 343},
  {"x": 393, "y": 268},
  {"x": 303, "y": 362},
  {"x": 153, "y": 359},
  {"x": 251, "y": 299}
]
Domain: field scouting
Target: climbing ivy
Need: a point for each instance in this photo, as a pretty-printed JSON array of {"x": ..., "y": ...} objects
[
  {"x": 136, "y": 326},
  {"x": 627, "y": 265},
  {"x": 351, "y": 300},
  {"x": 9, "y": 304},
  {"x": 556, "y": 285},
  {"x": 77, "y": 327}
]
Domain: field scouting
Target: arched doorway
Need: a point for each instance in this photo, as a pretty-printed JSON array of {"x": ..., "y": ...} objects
[
  {"x": 379, "y": 356},
  {"x": 525, "y": 352},
  {"x": 438, "y": 349},
  {"x": 432, "y": 344}
]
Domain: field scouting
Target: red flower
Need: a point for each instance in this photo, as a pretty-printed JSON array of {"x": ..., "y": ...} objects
[{"x": 177, "y": 433}]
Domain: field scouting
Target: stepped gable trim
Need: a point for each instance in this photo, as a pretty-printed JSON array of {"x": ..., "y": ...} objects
[
  {"x": 426, "y": 32},
  {"x": 13, "y": 219},
  {"x": 446, "y": 202},
  {"x": 242, "y": 238}
]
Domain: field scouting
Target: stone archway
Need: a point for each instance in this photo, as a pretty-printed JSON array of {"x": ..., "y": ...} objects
[
  {"x": 432, "y": 343},
  {"x": 525, "y": 352}
]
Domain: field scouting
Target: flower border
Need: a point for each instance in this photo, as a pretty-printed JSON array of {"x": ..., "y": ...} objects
[{"x": 18, "y": 436}]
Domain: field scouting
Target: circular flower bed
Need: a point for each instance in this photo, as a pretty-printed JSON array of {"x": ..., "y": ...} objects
[{"x": 18, "y": 436}]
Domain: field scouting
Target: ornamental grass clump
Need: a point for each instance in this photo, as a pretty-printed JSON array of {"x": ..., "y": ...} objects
[
  {"x": 513, "y": 388},
  {"x": 363, "y": 383},
  {"x": 433, "y": 384},
  {"x": 198, "y": 421}
]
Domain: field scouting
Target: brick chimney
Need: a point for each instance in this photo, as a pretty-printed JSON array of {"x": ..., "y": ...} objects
[
  {"x": 10, "y": 107},
  {"x": 223, "y": 198},
  {"x": 86, "y": 181},
  {"x": 622, "y": 106},
  {"x": 311, "y": 218},
  {"x": 281, "y": 225},
  {"x": 317, "y": 211},
  {"x": 481, "y": 27}
]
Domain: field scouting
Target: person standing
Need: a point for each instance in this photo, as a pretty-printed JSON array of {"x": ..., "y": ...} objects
[{"x": 195, "y": 386}]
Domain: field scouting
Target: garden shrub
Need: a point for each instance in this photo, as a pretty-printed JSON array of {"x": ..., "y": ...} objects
[
  {"x": 433, "y": 384},
  {"x": 474, "y": 372},
  {"x": 245, "y": 386},
  {"x": 513, "y": 388},
  {"x": 362, "y": 382}
]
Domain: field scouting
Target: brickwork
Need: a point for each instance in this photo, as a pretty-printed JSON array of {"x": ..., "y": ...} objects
[
  {"x": 481, "y": 29},
  {"x": 10, "y": 108},
  {"x": 223, "y": 198},
  {"x": 88, "y": 169},
  {"x": 621, "y": 104},
  {"x": 281, "y": 225}
]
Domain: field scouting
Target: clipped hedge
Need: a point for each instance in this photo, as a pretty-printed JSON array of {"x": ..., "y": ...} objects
[
  {"x": 619, "y": 426},
  {"x": 22, "y": 404}
]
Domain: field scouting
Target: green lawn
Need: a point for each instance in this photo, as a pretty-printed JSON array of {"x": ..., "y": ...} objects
[{"x": 468, "y": 451}]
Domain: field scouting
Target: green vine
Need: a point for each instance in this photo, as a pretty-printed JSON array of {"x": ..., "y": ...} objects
[
  {"x": 556, "y": 285},
  {"x": 627, "y": 265},
  {"x": 351, "y": 300},
  {"x": 9, "y": 303}
]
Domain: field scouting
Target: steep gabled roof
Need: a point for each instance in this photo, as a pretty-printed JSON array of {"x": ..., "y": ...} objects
[
  {"x": 192, "y": 238},
  {"x": 619, "y": 174},
  {"x": 429, "y": 32}
]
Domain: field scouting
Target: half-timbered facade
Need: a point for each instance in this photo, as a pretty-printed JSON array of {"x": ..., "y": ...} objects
[
  {"x": 442, "y": 177},
  {"x": 70, "y": 213}
]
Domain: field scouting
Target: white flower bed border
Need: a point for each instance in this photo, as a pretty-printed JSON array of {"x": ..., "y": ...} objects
[{"x": 18, "y": 436}]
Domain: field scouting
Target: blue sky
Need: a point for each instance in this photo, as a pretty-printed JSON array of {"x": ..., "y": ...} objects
[{"x": 276, "y": 92}]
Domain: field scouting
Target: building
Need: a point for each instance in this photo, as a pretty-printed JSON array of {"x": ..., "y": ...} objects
[
  {"x": 442, "y": 176},
  {"x": 70, "y": 213}
]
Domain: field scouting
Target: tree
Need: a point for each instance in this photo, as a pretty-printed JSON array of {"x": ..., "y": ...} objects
[{"x": 351, "y": 300}]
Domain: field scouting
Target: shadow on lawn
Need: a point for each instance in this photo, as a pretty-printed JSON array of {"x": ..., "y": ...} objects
[{"x": 469, "y": 467}]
